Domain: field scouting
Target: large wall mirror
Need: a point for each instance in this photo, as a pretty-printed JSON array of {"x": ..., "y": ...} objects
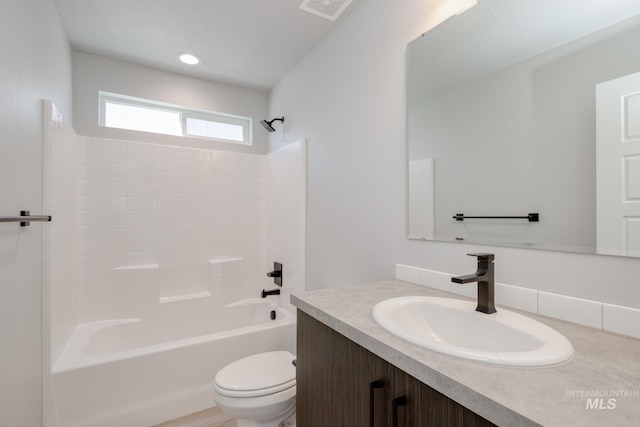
[{"x": 523, "y": 127}]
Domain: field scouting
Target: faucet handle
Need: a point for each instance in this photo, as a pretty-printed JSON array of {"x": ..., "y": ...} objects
[{"x": 484, "y": 257}]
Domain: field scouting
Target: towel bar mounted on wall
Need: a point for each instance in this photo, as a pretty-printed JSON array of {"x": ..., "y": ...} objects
[
  {"x": 532, "y": 217},
  {"x": 25, "y": 218}
]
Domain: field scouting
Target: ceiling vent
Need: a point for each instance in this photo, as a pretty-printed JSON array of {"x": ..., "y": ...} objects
[{"x": 328, "y": 9}]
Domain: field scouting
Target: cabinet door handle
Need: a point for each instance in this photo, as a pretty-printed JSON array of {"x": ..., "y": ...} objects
[
  {"x": 398, "y": 401},
  {"x": 372, "y": 386}
]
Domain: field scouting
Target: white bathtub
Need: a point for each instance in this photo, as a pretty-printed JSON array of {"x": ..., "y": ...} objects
[{"x": 140, "y": 372}]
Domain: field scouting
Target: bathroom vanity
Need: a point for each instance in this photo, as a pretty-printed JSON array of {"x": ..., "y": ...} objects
[
  {"x": 336, "y": 373},
  {"x": 351, "y": 372}
]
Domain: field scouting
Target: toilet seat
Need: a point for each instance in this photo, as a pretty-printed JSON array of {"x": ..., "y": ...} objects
[{"x": 257, "y": 375}]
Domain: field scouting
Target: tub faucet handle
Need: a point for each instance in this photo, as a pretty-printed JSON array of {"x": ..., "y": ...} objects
[{"x": 276, "y": 273}]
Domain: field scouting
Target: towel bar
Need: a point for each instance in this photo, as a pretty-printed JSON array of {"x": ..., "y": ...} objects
[
  {"x": 532, "y": 217},
  {"x": 25, "y": 218}
]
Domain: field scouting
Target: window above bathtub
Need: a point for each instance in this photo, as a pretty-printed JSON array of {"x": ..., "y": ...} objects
[{"x": 144, "y": 115}]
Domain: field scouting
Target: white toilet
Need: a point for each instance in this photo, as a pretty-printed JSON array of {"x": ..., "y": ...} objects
[{"x": 259, "y": 390}]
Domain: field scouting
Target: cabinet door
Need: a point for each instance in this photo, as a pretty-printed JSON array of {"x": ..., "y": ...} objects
[
  {"x": 339, "y": 383},
  {"x": 415, "y": 404}
]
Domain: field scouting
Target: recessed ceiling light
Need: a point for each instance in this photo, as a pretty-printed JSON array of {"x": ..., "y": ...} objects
[{"x": 188, "y": 58}]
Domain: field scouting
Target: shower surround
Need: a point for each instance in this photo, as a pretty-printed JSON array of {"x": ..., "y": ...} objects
[{"x": 140, "y": 229}]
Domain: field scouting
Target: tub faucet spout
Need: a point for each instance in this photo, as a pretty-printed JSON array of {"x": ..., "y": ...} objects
[
  {"x": 486, "y": 282},
  {"x": 271, "y": 292}
]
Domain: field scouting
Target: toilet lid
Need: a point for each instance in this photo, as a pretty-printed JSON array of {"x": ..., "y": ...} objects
[{"x": 259, "y": 374}]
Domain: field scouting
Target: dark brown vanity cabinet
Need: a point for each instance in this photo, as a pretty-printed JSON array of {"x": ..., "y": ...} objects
[{"x": 339, "y": 383}]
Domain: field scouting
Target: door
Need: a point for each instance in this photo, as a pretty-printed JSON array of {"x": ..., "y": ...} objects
[{"x": 618, "y": 166}]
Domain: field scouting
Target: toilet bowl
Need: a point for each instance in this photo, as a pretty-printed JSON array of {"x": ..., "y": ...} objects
[{"x": 258, "y": 390}]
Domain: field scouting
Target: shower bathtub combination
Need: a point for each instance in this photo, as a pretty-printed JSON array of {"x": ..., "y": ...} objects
[
  {"x": 152, "y": 263},
  {"x": 139, "y": 372}
]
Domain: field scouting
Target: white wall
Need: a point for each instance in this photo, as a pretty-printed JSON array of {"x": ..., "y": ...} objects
[
  {"x": 348, "y": 99},
  {"x": 36, "y": 64},
  {"x": 92, "y": 73}
]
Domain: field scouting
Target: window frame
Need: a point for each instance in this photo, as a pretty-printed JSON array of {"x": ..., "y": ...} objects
[{"x": 184, "y": 113}]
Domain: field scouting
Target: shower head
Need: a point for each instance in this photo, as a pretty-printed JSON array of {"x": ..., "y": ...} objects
[{"x": 267, "y": 124}]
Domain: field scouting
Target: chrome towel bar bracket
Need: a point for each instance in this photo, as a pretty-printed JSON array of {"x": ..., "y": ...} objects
[{"x": 25, "y": 218}]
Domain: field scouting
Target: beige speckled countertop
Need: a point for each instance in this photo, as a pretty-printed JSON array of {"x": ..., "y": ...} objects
[{"x": 557, "y": 396}]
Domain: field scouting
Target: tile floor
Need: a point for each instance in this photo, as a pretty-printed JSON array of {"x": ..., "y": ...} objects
[{"x": 211, "y": 417}]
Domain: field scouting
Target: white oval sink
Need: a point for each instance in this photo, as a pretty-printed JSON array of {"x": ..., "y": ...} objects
[{"x": 453, "y": 327}]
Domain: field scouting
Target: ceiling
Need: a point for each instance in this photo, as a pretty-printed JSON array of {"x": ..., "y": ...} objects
[{"x": 248, "y": 43}]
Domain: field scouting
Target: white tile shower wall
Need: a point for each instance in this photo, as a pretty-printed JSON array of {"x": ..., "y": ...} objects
[
  {"x": 138, "y": 225},
  {"x": 170, "y": 207},
  {"x": 62, "y": 195},
  {"x": 285, "y": 190},
  {"x": 227, "y": 280}
]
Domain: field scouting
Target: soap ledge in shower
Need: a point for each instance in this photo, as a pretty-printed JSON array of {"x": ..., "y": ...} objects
[
  {"x": 184, "y": 297},
  {"x": 139, "y": 267}
]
